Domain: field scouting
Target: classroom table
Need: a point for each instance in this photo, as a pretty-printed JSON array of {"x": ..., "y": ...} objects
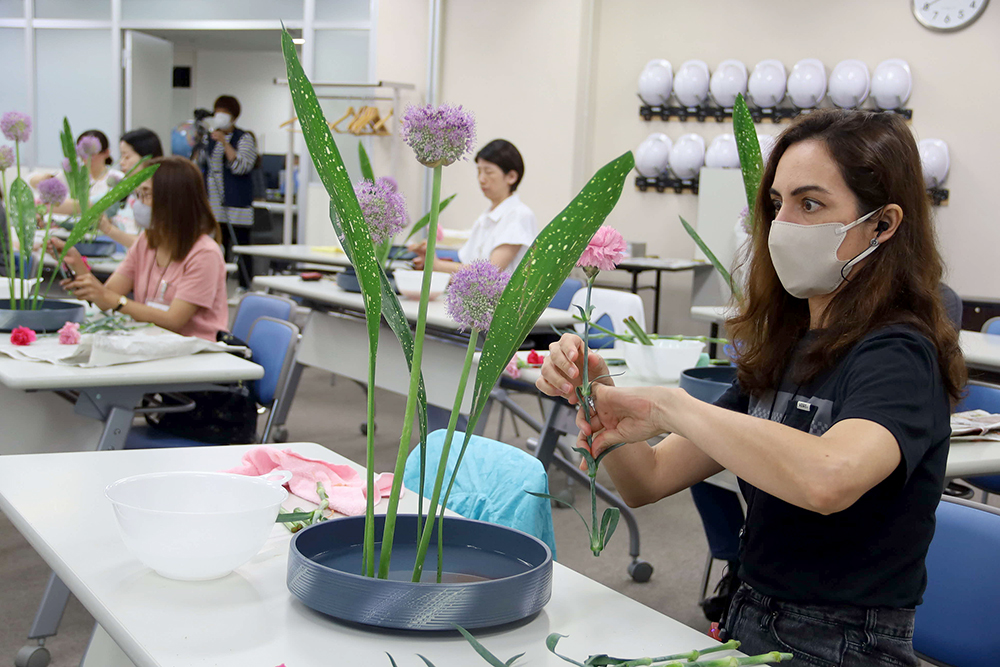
[
  {"x": 249, "y": 617},
  {"x": 335, "y": 339},
  {"x": 981, "y": 350},
  {"x": 330, "y": 256}
]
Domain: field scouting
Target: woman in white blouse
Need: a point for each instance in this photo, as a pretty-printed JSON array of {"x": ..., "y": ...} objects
[
  {"x": 504, "y": 231},
  {"x": 99, "y": 166}
]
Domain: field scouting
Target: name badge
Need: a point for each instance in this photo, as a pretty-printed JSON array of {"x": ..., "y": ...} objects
[
  {"x": 802, "y": 405},
  {"x": 159, "y": 306}
]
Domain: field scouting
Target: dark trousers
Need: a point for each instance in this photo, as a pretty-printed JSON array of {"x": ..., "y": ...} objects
[
  {"x": 244, "y": 264},
  {"x": 821, "y": 635}
]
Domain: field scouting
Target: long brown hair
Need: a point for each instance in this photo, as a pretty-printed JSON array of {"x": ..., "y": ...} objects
[
  {"x": 181, "y": 213},
  {"x": 899, "y": 284}
]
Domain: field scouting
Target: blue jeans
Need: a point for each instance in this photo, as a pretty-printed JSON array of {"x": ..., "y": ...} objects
[{"x": 822, "y": 635}]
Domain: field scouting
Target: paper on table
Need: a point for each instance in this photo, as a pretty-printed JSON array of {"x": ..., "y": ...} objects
[
  {"x": 975, "y": 425},
  {"x": 109, "y": 348}
]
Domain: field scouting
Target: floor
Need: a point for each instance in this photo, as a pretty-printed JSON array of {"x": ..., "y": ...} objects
[{"x": 330, "y": 412}]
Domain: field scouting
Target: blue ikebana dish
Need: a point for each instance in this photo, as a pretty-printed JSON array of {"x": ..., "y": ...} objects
[{"x": 494, "y": 575}]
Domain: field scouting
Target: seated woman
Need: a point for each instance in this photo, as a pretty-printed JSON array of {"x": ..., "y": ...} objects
[
  {"x": 175, "y": 269},
  {"x": 99, "y": 165},
  {"x": 134, "y": 215},
  {"x": 838, "y": 423},
  {"x": 504, "y": 231}
]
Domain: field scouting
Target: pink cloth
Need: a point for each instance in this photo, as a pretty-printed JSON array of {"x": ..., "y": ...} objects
[
  {"x": 344, "y": 486},
  {"x": 199, "y": 279}
]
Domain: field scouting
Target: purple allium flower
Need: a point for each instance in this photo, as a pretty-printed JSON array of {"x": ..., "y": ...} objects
[
  {"x": 66, "y": 166},
  {"x": 384, "y": 209},
  {"x": 745, "y": 219},
  {"x": 474, "y": 293},
  {"x": 391, "y": 182},
  {"x": 88, "y": 146},
  {"x": 439, "y": 136},
  {"x": 604, "y": 251},
  {"x": 52, "y": 191},
  {"x": 6, "y": 157},
  {"x": 16, "y": 126}
]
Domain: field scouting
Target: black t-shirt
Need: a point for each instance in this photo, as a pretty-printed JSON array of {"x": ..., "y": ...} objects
[{"x": 872, "y": 553}]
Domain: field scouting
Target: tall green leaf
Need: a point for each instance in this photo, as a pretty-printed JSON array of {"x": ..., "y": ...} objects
[
  {"x": 541, "y": 273},
  {"x": 354, "y": 236},
  {"x": 22, "y": 208},
  {"x": 426, "y": 220},
  {"x": 366, "y": 165},
  {"x": 748, "y": 147},
  {"x": 711, "y": 255}
]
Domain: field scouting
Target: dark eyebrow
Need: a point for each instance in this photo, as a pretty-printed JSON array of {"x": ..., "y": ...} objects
[{"x": 803, "y": 189}]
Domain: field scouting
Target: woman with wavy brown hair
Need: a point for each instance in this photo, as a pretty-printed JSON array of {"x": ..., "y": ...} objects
[{"x": 838, "y": 423}]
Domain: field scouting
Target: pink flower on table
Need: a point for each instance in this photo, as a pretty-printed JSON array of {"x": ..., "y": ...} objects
[
  {"x": 22, "y": 336},
  {"x": 604, "y": 251},
  {"x": 69, "y": 334}
]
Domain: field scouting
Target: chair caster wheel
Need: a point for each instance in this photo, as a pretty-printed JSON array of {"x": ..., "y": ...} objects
[
  {"x": 364, "y": 428},
  {"x": 280, "y": 434},
  {"x": 32, "y": 656},
  {"x": 640, "y": 571}
]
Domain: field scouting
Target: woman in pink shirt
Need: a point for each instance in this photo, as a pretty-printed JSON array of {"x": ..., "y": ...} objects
[{"x": 175, "y": 270}]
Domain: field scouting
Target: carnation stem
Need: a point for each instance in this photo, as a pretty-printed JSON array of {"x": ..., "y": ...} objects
[
  {"x": 369, "y": 547},
  {"x": 425, "y": 534},
  {"x": 41, "y": 263},
  {"x": 10, "y": 242},
  {"x": 388, "y": 531}
]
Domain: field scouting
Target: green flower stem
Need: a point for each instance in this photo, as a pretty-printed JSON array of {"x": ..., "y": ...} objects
[
  {"x": 41, "y": 263},
  {"x": 425, "y": 534},
  {"x": 368, "y": 554},
  {"x": 595, "y": 539},
  {"x": 690, "y": 656},
  {"x": 10, "y": 238},
  {"x": 411, "y": 398}
]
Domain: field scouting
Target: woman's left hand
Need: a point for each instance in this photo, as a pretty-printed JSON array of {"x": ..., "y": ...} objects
[
  {"x": 85, "y": 286},
  {"x": 626, "y": 415}
]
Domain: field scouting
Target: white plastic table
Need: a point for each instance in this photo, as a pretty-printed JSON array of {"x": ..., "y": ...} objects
[
  {"x": 981, "y": 350},
  {"x": 335, "y": 339},
  {"x": 249, "y": 618}
]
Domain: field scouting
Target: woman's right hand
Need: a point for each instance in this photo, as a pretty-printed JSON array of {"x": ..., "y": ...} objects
[
  {"x": 562, "y": 371},
  {"x": 420, "y": 250},
  {"x": 73, "y": 256},
  {"x": 105, "y": 225}
]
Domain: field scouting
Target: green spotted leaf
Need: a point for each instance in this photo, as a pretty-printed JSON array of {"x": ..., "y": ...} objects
[{"x": 748, "y": 147}]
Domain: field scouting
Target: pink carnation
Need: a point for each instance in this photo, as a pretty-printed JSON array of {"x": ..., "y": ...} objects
[
  {"x": 69, "y": 334},
  {"x": 22, "y": 336},
  {"x": 512, "y": 369},
  {"x": 604, "y": 251}
]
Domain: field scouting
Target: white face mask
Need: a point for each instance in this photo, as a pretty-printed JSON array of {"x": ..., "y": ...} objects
[
  {"x": 221, "y": 120},
  {"x": 805, "y": 256},
  {"x": 143, "y": 214}
]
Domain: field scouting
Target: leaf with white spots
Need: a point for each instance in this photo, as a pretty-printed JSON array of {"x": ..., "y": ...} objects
[{"x": 748, "y": 147}]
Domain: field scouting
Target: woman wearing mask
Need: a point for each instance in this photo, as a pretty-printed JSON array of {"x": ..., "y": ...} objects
[
  {"x": 175, "y": 270},
  {"x": 226, "y": 158},
  {"x": 505, "y": 230},
  {"x": 838, "y": 423},
  {"x": 134, "y": 215},
  {"x": 98, "y": 163}
]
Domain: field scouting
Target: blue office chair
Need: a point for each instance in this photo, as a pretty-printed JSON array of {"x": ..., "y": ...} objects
[
  {"x": 982, "y": 397},
  {"x": 272, "y": 342},
  {"x": 962, "y": 600},
  {"x": 992, "y": 326},
  {"x": 563, "y": 299},
  {"x": 611, "y": 308},
  {"x": 447, "y": 253},
  {"x": 255, "y": 305},
  {"x": 491, "y": 483}
]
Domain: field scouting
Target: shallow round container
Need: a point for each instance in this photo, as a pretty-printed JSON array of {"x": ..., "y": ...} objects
[
  {"x": 708, "y": 383},
  {"x": 493, "y": 575},
  {"x": 196, "y": 525},
  {"x": 664, "y": 360},
  {"x": 51, "y": 315},
  {"x": 96, "y": 248}
]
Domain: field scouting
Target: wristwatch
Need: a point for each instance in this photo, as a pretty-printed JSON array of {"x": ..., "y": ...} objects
[{"x": 121, "y": 304}]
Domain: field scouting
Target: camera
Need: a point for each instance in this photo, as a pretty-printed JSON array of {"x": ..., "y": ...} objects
[{"x": 203, "y": 124}]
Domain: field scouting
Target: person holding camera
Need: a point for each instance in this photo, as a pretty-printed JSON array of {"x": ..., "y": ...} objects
[{"x": 226, "y": 157}]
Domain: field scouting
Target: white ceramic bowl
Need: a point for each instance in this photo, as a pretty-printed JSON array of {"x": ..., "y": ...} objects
[
  {"x": 807, "y": 83},
  {"x": 664, "y": 360},
  {"x": 691, "y": 83},
  {"x": 892, "y": 83},
  {"x": 687, "y": 156},
  {"x": 656, "y": 82},
  {"x": 653, "y": 155},
  {"x": 766, "y": 86},
  {"x": 196, "y": 525},
  {"x": 934, "y": 161},
  {"x": 728, "y": 80},
  {"x": 409, "y": 282},
  {"x": 850, "y": 83},
  {"x": 722, "y": 153}
]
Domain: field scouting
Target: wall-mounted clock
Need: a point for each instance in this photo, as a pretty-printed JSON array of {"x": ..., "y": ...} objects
[{"x": 948, "y": 15}]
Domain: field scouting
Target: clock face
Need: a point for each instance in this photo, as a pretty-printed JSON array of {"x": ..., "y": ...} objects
[{"x": 947, "y": 15}]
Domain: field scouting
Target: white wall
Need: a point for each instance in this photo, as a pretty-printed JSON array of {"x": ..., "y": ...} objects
[{"x": 946, "y": 69}]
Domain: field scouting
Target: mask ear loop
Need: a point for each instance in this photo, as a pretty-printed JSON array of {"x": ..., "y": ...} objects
[{"x": 872, "y": 247}]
